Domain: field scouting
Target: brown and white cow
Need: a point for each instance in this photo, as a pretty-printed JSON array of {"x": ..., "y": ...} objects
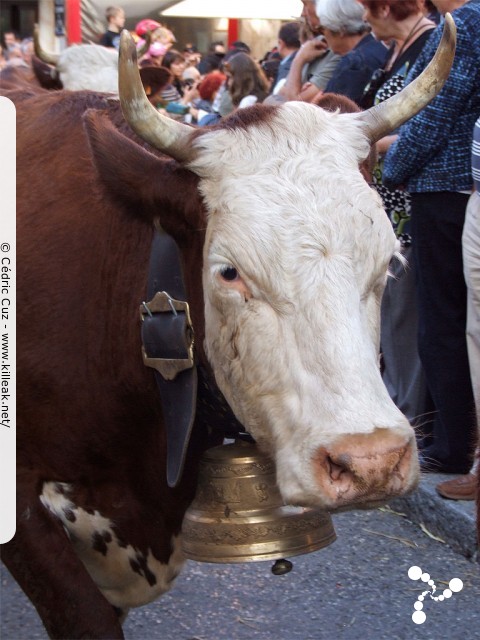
[{"x": 285, "y": 251}]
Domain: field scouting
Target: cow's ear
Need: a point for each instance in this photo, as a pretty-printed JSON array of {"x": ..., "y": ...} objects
[
  {"x": 337, "y": 102},
  {"x": 145, "y": 184}
]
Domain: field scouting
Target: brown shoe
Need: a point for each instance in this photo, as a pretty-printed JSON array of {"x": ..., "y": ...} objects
[{"x": 461, "y": 488}]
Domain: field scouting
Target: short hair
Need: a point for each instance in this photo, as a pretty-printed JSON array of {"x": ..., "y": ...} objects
[
  {"x": 111, "y": 12},
  {"x": 213, "y": 45},
  {"x": 342, "y": 16},
  {"x": 172, "y": 56},
  {"x": 289, "y": 33},
  {"x": 238, "y": 45},
  {"x": 209, "y": 62},
  {"x": 399, "y": 10},
  {"x": 211, "y": 83}
]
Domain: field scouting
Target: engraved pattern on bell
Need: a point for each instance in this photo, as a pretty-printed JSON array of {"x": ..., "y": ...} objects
[
  {"x": 241, "y": 532},
  {"x": 238, "y": 514}
]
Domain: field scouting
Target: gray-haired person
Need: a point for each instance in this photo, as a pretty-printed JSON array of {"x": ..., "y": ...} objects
[{"x": 348, "y": 35}]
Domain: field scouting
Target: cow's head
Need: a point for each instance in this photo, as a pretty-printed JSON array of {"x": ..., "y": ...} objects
[
  {"x": 295, "y": 261},
  {"x": 78, "y": 67}
]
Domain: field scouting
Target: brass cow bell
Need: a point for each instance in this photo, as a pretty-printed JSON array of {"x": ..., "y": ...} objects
[{"x": 238, "y": 514}]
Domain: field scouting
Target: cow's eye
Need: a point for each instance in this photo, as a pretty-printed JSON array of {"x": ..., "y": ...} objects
[{"x": 229, "y": 273}]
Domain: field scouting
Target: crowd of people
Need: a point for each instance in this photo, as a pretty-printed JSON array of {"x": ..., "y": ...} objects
[
  {"x": 15, "y": 52},
  {"x": 368, "y": 50}
]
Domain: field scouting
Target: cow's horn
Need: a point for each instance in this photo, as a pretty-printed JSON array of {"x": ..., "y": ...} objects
[
  {"x": 49, "y": 58},
  {"x": 161, "y": 132},
  {"x": 385, "y": 117}
]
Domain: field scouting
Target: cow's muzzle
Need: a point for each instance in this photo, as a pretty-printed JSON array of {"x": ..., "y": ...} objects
[{"x": 366, "y": 469}]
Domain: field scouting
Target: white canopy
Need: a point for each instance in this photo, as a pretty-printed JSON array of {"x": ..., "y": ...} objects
[{"x": 243, "y": 9}]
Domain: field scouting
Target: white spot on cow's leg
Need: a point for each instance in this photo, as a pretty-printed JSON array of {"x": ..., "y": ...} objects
[{"x": 126, "y": 576}]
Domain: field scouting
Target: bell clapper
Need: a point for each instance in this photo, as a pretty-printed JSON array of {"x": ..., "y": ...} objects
[{"x": 281, "y": 567}]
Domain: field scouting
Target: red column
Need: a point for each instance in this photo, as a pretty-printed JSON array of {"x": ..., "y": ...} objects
[
  {"x": 232, "y": 30},
  {"x": 73, "y": 21}
]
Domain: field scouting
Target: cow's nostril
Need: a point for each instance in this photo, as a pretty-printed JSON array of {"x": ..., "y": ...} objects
[
  {"x": 337, "y": 468},
  {"x": 396, "y": 468},
  {"x": 359, "y": 468}
]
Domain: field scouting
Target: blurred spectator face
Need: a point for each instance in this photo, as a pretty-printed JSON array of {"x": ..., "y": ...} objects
[
  {"x": 163, "y": 35},
  {"x": 191, "y": 76},
  {"x": 10, "y": 40},
  {"x": 178, "y": 67},
  {"x": 335, "y": 41},
  {"x": 378, "y": 18},
  {"x": 309, "y": 14},
  {"x": 384, "y": 16},
  {"x": 444, "y": 5},
  {"x": 191, "y": 54},
  {"x": 156, "y": 53},
  {"x": 192, "y": 59},
  {"x": 119, "y": 20}
]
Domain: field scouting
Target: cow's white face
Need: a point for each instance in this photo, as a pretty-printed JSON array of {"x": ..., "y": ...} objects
[{"x": 295, "y": 262}]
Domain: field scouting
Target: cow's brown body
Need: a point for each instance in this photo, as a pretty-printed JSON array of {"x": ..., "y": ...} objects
[{"x": 88, "y": 410}]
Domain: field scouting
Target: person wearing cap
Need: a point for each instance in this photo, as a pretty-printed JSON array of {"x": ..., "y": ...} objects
[
  {"x": 158, "y": 33},
  {"x": 115, "y": 17},
  {"x": 146, "y": 25}
]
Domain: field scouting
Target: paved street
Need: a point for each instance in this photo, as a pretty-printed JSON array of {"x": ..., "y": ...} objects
[{"x": 356, "y": 588}]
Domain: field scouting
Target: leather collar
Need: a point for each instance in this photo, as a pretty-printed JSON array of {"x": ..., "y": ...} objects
[{"x": 168, "y": 348}]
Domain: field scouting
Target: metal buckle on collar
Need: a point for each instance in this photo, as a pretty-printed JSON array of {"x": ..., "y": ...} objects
[{"x": 162, "y": 302}]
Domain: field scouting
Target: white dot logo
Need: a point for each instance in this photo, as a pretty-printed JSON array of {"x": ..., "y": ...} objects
[{"x": 415, "y": 573}]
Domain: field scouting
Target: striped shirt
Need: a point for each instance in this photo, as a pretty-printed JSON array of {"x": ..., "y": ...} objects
[{"x": 476, "y": 156}]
